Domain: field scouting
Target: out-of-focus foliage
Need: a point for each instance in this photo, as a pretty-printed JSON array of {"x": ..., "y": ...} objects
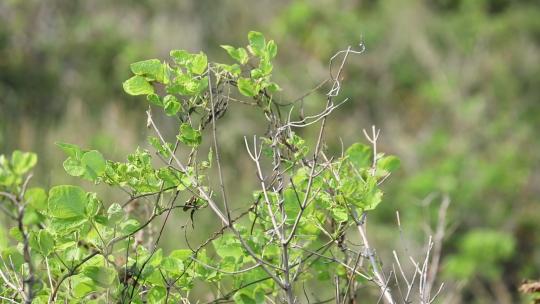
[
  {"x": 452, "y": 84},
  {"x": 479, "y": 254}
]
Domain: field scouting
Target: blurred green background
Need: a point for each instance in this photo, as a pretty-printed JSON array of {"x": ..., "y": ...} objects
[{"x": 454, "y": 86}]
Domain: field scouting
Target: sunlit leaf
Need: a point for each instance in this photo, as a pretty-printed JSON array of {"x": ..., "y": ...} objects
[
  {"x": 257, "y": 43},
  {"x": 138, "y": 85},
  {"x": 360, "y": 155},
  {"x": 73, "y": 167},
  {"x": 22, "y": 162},
  {"x": 389, "y": 163},
  {"x": 93, "y": 164},
  {"x": 37, "y": 198},
  {"x": 189, "y": 136},
  {"x": 67, "y": 202},
  {"x": 247, "y": 87},
  {"x": 271, "y": 49},
  {"x": 151, "y": 68},
  {"x": 199, "y": 64},
  {"x": 102, "y": 276},
  {"x": 172, "y": 106},
  {"x": 238, "y": 54}
]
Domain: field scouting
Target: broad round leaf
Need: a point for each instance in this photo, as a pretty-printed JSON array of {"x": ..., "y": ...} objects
[
  {"x": 137, "y": 85},
  {"x": 73, "y": 167},
  {"x": 257, "y": 42},
  {"x": 172, "y": 106},
  {"x": 102, "y": 276},
  {"x": 94, "y": 164},
  {"x": 152, "y": 68},
  {"x": 67, "y": 201},
  {"x": 22, "y": 162},
  {"x": 189, "y": 136},
  {"x": 37, "y": 198},
  {"x": 70, "y": 149},
  {"x": 247, "y": 87},
  {"x": 389, "y": 163},
  {"x": 199, "y": 64},
  {"x": 360, "y": 155}
]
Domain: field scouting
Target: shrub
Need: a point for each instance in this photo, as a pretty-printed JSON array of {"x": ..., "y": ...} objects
[{"x": 71, "y": 246}]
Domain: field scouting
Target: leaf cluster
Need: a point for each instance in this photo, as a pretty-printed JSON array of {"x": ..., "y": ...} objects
[{"x": 71, "y": 246}]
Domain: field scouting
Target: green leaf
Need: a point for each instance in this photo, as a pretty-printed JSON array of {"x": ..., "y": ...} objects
[
  {"x": 45, "y": 242},
  {"x": 271, "y": 49},
  {"x": 37, "y": 198},
  {"x": 257, "y": 73},
  {"x": 231, "y": 50},
  {"x": 169, "y": 177},
  {"x": 300, "y": 144},
  {"x": 157, "y": 294},
  {"x": 249, "y": 296},
  {"x": 70, "y": 149},
  {"x": 181, "y": 57},
  {"x": 199, "y": 64},
  {"x": 266, "y": 67},
  {"x": 73, "y": 167},
  {"x": 291, "y": 203},
  {"x": 372, "y": 196},
  {"x": 151, "y": 68},
  {"x": 32, "y": 217},
  {"x": 22, "y": 162},
  {"x": 238, "y": 54},
  {"x": 7, "y": 178},
  {"x": 172, "y": 265},
  {"x": 172, "y": 106},
  {"x": 14, "y": 257},
  {"x": 273, "y": 87},
  {"x": 243, "y": 56},
  {"x": 189, "y": 136},
  {"x": 340, "y": 214},
  {"x": 115, "y": 213},
  {"x": 247, "y": 87},
  {"x": 163, "y": 149},
  {"x": 155, "y": 100},
  {"x": 389, "y": 163},
  {"x": 15, "y": 233},
  {"x": 63, "y": 226},
  {"x": 66, "y": 202},
  {"x": 82, "y": 286},
  {"x": 156, "y": 258},
  {"x": 187, "y": 85},
  {"x": 94, "y": 164},
  {"x": 129, "y": 226},
  {"x": 201, "y": 86},
  {"x": 257, "y": 43},
  {"x": 92, "y": 207},
  {"x": 138, "y": 85},
  {"x": 234, "y": 69},
  {"x": 360, "y": 155},
  {"x": 102, "y": 276},
  {"x": 181, "y": 254},
  {"x": 228, "y": 246}
]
